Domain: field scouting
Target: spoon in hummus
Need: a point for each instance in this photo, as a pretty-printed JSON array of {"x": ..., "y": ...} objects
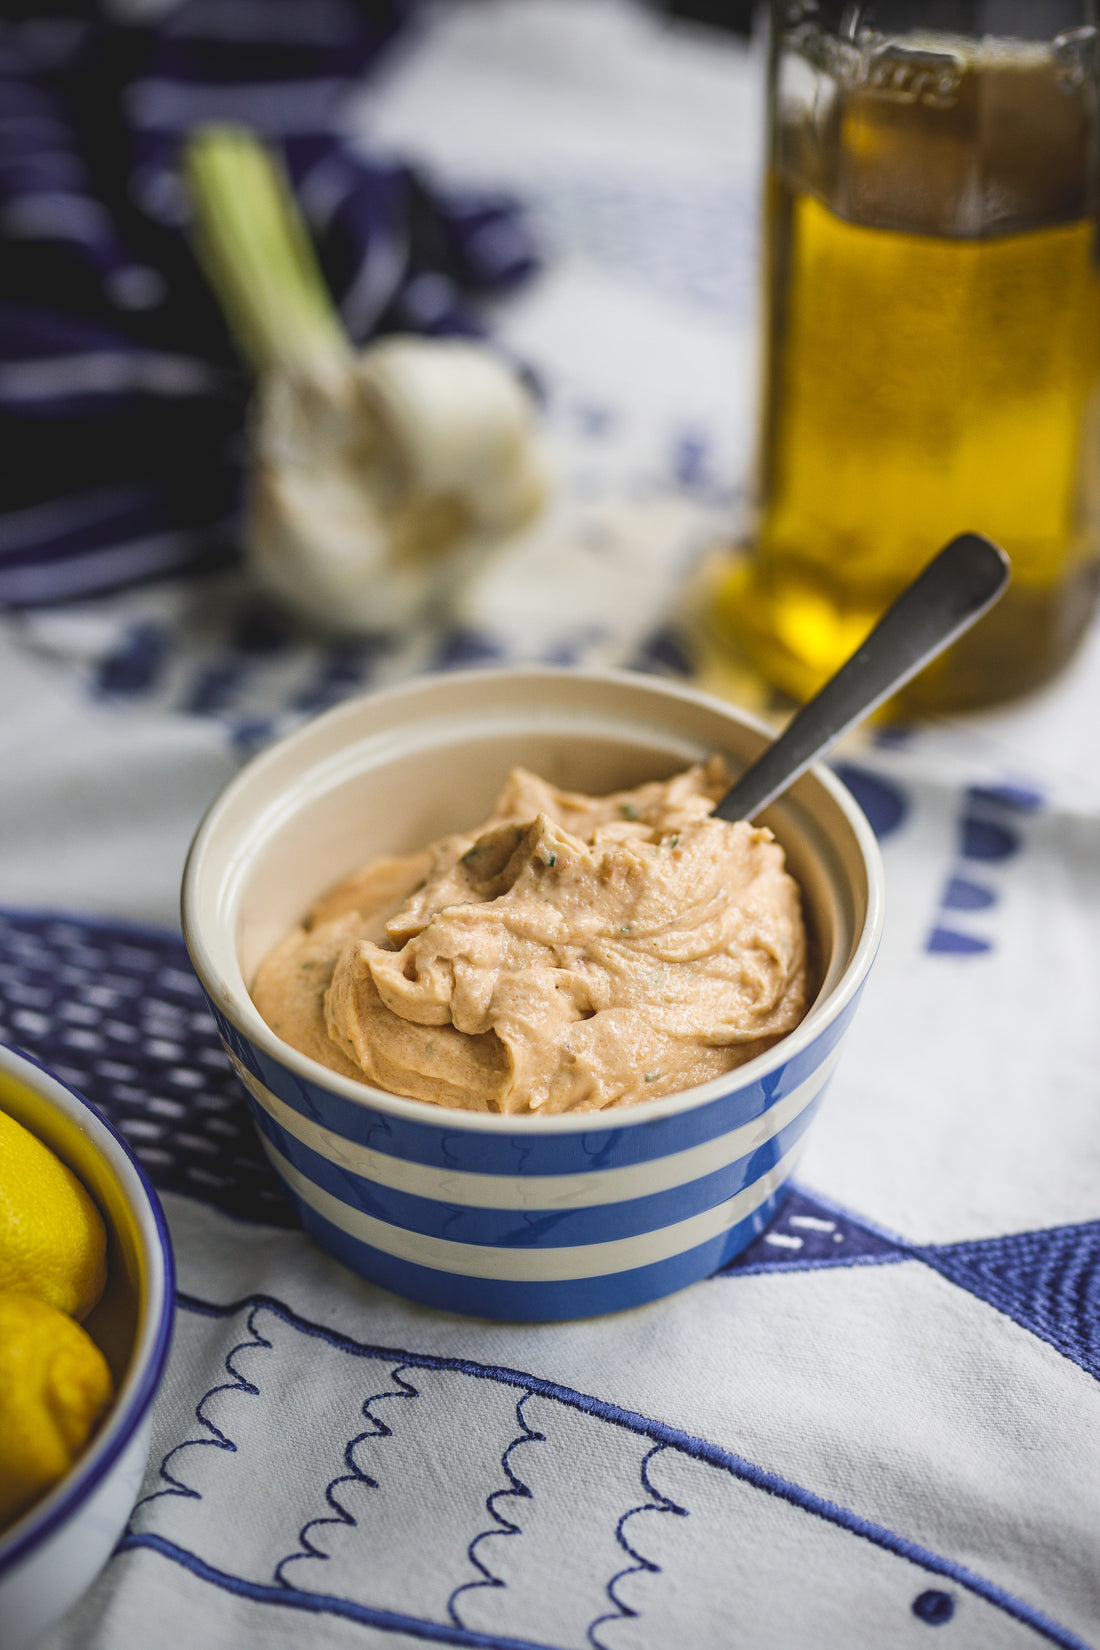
[{"x": 958, "y": 585}]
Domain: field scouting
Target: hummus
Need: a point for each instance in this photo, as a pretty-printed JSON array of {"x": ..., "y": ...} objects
[{"x": 572, "y": 953}]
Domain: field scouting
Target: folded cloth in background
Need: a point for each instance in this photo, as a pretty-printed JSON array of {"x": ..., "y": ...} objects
[{"x": 122, "y": 396}]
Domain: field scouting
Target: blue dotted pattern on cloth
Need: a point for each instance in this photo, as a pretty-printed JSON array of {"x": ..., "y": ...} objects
[
  {"x": 256, "y": 678},
  {"x": 259, "y": 679},
  {"x": 989, "y": 836},
  {"x": 884, "y": 803},
  {"x": 117, "y": 1013}
]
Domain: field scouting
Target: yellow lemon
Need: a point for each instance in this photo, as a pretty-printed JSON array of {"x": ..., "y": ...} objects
[
  {"x": 52, "y": 1240},
  {"x": 54, "y": 1387}
]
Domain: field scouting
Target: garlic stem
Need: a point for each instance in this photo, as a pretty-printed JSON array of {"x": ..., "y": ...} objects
[{"x": 257, "y": 254}]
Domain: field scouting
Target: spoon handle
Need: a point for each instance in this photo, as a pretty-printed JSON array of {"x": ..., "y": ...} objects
[{"x": 957, "y": 587}]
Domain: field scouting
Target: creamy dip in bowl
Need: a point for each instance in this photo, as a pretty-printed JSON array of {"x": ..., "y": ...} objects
[{"x": 556, "y": 1210}]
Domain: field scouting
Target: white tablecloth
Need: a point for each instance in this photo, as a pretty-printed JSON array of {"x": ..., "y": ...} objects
[{"x": 882, "y": 1425}]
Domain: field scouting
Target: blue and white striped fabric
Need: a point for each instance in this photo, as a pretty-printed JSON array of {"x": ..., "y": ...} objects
[{"x": 122, "y": 398}]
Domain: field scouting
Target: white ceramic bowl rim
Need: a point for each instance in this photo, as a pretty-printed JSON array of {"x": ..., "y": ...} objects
[
  {"x": 148, "y": 1359},
  {"x": 235, "y": 1002}
]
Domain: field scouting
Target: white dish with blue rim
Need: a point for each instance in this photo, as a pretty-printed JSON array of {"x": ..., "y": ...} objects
[{"x": 51, "y": 1554}]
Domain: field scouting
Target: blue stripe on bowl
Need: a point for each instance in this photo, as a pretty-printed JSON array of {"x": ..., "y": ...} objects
[
  {"x": 524, "y": 1151},
  {"x": 533, "y": 1228},
  {"x": 549, "y": 1264},
  {"x": 544, "y": 1301},
  {"x": 595, "y": 1187}
]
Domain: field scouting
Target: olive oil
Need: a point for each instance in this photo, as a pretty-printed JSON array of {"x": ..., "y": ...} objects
[{"x": 933, "y": 366}]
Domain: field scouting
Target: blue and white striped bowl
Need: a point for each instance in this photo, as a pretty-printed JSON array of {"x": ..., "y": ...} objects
[{"x": 506, "y": 1217}]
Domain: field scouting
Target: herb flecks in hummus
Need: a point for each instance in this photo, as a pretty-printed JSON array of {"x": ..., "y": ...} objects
[{"x": 573, "y": 953}]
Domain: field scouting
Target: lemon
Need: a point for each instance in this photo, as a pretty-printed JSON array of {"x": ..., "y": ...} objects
[
  {"x": 54, "y": 1387},
  {"x": 53, "y": 1244}
]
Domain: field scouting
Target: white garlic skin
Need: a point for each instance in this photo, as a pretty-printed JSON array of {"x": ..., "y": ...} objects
[{"x": 375, "y": 485}]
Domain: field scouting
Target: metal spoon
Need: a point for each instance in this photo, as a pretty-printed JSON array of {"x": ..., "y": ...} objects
[{"x": 957, "y": 587}]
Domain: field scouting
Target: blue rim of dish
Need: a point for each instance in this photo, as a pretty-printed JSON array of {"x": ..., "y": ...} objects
[{"x": 85, "y": 1482}]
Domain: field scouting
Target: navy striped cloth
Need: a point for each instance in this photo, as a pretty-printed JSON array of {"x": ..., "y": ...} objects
[{"x": 122, "y": 396}]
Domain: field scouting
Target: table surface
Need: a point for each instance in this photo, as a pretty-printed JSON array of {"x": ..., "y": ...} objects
[{"x": 882, "y": 1422}]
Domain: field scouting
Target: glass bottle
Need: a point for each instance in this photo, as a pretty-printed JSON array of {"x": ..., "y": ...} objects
[{"x": 932, "y": 333}]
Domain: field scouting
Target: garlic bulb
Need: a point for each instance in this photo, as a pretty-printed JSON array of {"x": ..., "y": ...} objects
[
  {"x": 376, "y": 478},
  {"x": 370, "y": 495}
]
